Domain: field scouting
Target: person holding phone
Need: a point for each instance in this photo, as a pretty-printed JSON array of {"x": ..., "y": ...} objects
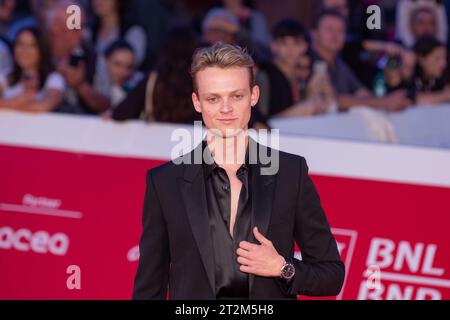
[{"x": 291, "y": 87}]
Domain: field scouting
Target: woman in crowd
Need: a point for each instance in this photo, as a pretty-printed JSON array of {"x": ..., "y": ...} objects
[
  {"x": 430, "y": 81},
  {"x": 31, "y": 84},
  {"x": 121, "y": 65},
  {"x": 111, "y": 24}
]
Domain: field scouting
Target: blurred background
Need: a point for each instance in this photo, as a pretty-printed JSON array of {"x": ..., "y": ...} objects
[{"x": 322, "y": 70}]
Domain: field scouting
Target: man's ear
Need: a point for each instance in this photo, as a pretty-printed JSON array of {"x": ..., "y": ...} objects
[
  {"x": 255, "y": 95},
  {"x": 196, "y": 102}
]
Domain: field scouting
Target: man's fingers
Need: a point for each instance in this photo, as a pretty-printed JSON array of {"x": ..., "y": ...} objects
[
  {"x": 245, "y": 269},
  {"x": 247, "y": 245},
  {"x": 243, "y": 253},
  {"x": 243, "y": 261},
  {"x": 259, "y": 236}
]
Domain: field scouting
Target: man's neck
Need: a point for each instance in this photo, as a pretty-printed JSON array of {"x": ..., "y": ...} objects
[
  {"x": 30, "y": 70},
  {"x": 325, "y": 55},
  {"x": 228, "y": 152}
]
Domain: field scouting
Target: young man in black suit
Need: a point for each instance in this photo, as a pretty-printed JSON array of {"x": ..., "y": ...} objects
[{"x": 224, "y": 227}]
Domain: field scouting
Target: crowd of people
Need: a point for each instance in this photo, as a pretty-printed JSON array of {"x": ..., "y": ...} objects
[{"x": 131, "y": 58}]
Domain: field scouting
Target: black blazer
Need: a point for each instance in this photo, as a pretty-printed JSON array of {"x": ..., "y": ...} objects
[{"x": 176, "y": 253}]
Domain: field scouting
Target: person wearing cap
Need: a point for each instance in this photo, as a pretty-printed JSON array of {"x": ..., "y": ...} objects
[{"x": 220, "y": 25}]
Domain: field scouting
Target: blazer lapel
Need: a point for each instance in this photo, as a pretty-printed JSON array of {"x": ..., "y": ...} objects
[
  {"x": 263, "y": 187},
  {"x": 193, "y": 192}
]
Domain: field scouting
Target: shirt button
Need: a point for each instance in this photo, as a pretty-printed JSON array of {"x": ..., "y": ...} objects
[{"x": 226, "y": 188}]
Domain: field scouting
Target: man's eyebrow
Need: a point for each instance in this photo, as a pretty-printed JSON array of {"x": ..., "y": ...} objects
[
  {"x": 238, "y": 90},
  {"x": 210, "y": 94},
  {"x": 230, "y": 92}
]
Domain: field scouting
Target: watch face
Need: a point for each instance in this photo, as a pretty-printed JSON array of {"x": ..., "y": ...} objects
[{"x": 288, "y": 271}]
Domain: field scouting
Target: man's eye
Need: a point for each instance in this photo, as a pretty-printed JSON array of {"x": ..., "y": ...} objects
[
  {"x": 212, "y": 100},
  {"x": 238, "y": 96}
]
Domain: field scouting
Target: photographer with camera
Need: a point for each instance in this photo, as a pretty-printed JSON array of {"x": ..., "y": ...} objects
[
  {"x": 328, "y": 42},
  {"x": 76, "y": 61},
  {"x": 395, "y": 65}
]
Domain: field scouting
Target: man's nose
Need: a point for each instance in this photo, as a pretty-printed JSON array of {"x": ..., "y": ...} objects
[{"x": 226, "y": 106}]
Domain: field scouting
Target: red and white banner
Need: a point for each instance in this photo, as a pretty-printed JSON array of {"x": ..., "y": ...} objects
[{"x": 71, "y": 194}]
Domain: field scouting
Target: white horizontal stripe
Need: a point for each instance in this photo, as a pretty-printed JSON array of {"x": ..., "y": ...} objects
[{"x": 40, "y": 211}]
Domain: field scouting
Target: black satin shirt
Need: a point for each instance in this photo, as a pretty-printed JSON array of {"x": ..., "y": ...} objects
[{"x": 231, "y": 283}]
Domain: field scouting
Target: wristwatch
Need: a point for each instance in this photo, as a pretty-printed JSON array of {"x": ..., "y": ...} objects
[{"x": 288, "y": 269}]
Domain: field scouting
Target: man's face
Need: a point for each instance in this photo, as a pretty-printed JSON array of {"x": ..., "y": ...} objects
[
  {"x": 435, "y": 62},
  {"x": 289, "y": 50},
  {"x": 424, "y": 24},
  {"x": 224, "y": 98},
  {"x": 62, "y": 41},
  {"x": 330, "y": 34},
  {"x": 121, "y": 66}
]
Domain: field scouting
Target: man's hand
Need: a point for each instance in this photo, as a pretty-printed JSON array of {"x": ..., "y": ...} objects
[
  {"x": 261, "y": 260},
  {"x": 74, "y": 76},
  {"x": 397, "y": 101}
]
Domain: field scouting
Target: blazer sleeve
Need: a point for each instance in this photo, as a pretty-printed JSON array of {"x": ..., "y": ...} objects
[
  {"x": 152, "y": 275},
  {"x": 321, "y": 271}
]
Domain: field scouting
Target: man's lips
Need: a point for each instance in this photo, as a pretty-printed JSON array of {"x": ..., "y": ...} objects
[{"x": 227, "y": 120}]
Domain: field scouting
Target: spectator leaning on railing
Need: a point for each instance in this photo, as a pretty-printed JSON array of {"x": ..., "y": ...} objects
[
  {"x": 288, "y": 86},
  {"x": 121, "y": 69},
  {"x": 31, "y": 84},
  {"x": 430, "y": 78},
  {"x": 396, "y": 65},
  {"x": 328, "y": 41},
  {"x": 111, "y": 24}
]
